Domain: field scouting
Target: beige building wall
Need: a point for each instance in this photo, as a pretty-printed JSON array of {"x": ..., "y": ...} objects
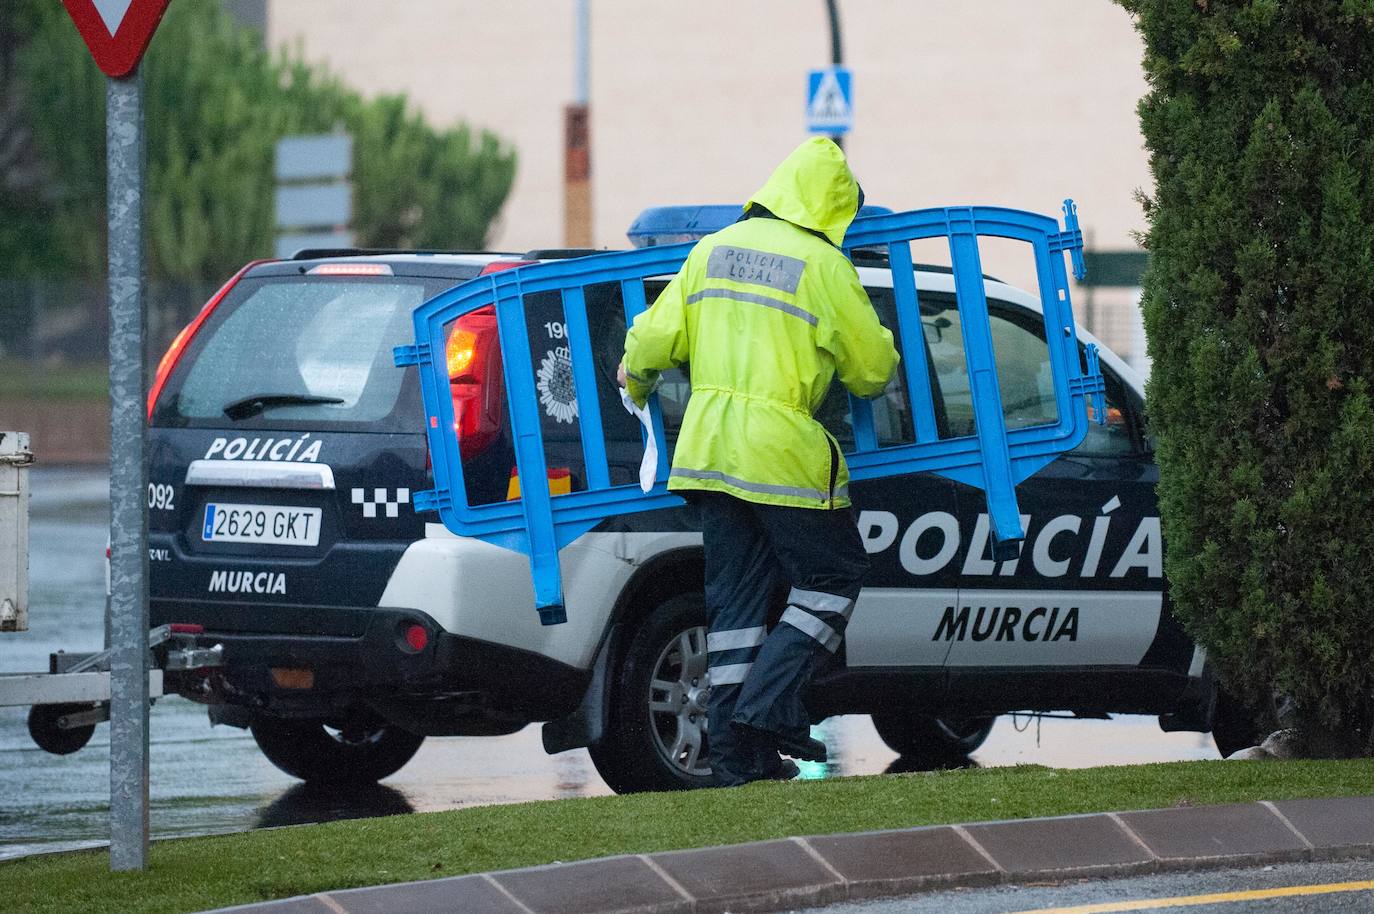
[{"x": 1011, "y": 102}]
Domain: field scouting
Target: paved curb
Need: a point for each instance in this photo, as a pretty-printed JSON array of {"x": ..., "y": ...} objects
[{"x": 801, "y": 872}]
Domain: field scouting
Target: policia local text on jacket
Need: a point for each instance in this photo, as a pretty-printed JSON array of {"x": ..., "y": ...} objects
[{"x": 768, "y": 311}]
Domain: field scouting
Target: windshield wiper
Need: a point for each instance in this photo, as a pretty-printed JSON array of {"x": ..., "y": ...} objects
[{"x": 251, "y": 406}]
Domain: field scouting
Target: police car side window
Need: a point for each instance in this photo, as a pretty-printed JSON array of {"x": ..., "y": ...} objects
[
  {"x": 1120, "y": 436},
  {"x": 1024, "y": 375},
  {"x": 945, "y": 343},
  {"x": 674, "y": 386},
  {"x": 892, "y": 411}
]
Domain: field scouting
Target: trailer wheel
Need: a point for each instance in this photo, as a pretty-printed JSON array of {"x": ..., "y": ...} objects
[
  {"x": 931, "y": 740},
  {"x": 358, "y": 752},
  {"x": 656, "y": 736},
  {"x": 43, "y": 727}
]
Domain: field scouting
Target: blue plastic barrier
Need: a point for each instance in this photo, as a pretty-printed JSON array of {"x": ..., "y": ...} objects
[{"x": 995, "y": 459}]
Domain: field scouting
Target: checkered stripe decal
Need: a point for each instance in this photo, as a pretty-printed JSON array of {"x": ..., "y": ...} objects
[{"x": 380, "y": 498}]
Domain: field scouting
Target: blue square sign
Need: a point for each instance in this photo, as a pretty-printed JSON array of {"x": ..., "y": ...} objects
[{"x": 830, "y": 101}]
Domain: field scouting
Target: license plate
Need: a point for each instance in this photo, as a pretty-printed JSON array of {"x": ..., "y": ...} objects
[{"x": 276, "y": 524}]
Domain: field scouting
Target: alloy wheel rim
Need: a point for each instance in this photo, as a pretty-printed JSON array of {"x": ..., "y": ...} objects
[{"x": 679, "y": 694}]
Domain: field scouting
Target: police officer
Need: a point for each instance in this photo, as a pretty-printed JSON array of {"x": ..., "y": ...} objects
[{"x": 768, "y": 311}]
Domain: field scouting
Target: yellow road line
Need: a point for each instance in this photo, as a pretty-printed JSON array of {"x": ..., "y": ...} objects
[{"x": 1188, "y": 901}]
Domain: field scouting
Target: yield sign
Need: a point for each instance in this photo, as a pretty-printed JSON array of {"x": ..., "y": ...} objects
[{"x": 116, "y": 31}]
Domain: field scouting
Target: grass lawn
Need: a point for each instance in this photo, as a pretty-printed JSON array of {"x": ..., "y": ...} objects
[
  {"x": 21, "y": 380},
  {"x": 193, "y": 874}
]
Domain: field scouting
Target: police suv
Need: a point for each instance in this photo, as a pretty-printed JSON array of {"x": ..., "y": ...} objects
[{"x": 286, "y": 450}]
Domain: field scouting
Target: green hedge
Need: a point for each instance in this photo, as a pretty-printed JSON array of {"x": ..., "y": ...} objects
[{"x": 1259, "y": 311}]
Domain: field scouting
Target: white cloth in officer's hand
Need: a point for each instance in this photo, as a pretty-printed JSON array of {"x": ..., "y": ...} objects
[{"x": 648, "y": 467}]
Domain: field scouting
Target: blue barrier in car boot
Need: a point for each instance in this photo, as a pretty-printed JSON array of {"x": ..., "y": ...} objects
[{"x": 993, "y": 459}]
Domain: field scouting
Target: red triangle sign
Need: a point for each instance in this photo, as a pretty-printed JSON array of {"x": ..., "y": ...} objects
[{"x": 116, "y": 31}]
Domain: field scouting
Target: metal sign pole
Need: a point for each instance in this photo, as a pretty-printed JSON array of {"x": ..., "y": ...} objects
[
  {"x": 128, "y": 480},
  {"x": 836, "y": 50}
]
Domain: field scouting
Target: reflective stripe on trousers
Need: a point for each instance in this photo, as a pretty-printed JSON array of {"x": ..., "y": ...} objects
[
  {"x": 821, "y": 615},
  {"x": 731, "y": 653}
]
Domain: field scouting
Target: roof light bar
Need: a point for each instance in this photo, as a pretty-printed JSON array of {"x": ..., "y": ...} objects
[{"x": 659, "y": 225}]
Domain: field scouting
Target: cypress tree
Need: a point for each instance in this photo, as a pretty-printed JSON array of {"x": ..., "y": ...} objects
[{"x": 1259, "y": 314}]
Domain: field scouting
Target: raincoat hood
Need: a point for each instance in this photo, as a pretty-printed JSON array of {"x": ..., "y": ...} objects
[{"x": 813, "y": 188}]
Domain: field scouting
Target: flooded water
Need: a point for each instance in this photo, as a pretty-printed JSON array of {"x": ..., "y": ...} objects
[{"x": 214, "y": 779}]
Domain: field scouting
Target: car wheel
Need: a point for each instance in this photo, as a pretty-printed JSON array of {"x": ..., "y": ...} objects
[
  {"x": 317, "y": 752},
  {"x": 656, "y": 737},
  {"x": 1235, "y": 726},
  {"x": 931, "y": 740}
]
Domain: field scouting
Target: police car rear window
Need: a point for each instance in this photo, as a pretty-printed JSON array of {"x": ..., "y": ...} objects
[{"x": 316, "y": 351}]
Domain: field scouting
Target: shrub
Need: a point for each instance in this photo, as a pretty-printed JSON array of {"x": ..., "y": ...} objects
[{"x": 1259, "y": 310}]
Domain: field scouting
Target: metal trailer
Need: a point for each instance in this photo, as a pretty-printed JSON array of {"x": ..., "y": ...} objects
[{"x": 66, "y": 702}]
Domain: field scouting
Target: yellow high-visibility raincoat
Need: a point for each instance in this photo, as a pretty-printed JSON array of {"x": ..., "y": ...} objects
[{"x": 767, "y": 314}]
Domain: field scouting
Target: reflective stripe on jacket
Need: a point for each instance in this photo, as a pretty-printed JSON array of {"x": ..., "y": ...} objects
[{"x": 767, "y": 314}]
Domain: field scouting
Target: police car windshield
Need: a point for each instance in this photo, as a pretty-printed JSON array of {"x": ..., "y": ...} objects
[{"x": 302, "y": 352}]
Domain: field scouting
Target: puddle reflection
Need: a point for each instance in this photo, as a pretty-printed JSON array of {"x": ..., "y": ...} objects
[
  {"x": 307, "y": 803},
  {"x": 908, "y": 764}
]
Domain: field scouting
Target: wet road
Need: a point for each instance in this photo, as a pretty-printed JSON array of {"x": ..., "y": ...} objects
[{"x": 213, "y": 779}]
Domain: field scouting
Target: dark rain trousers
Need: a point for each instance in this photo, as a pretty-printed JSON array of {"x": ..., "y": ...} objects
[{"x": 755, "y": 553}]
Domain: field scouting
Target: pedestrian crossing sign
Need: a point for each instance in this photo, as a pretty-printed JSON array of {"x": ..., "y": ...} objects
[{"x": 829, "y": 101}]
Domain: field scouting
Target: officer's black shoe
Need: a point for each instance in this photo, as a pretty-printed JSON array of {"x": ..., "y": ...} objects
[
  {"x": 785, "y": 770},
  {"x": 782, "y": 769},
  {"x": 804, "y": 747}
]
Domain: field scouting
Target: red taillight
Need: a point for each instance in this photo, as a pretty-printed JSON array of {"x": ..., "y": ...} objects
[
  {"x": 179, "y": 343},
  {"x": 187, "y": 628},
  {"x": 496, "y": 266},
  {"x": 417, "y": 638},
  {"x": 473, "y": 356}
]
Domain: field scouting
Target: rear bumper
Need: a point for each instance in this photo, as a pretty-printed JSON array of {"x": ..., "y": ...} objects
[{"x": 359, "y": 657}]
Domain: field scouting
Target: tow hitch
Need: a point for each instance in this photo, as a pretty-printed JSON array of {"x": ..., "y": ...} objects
[{"x": 74, "y": 695}]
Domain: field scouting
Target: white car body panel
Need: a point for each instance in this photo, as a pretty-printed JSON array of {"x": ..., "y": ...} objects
[{"x": 477, "y": 590}]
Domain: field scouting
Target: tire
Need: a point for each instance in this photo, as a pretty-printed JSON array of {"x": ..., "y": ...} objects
[
  {"x": 655, "y": 738},
  {"x": 50, "y": 737},
  {"x": 318, "y": 753},
  {"x": 923, "y": 740},
  {"x": 1235, "y": 726}
]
